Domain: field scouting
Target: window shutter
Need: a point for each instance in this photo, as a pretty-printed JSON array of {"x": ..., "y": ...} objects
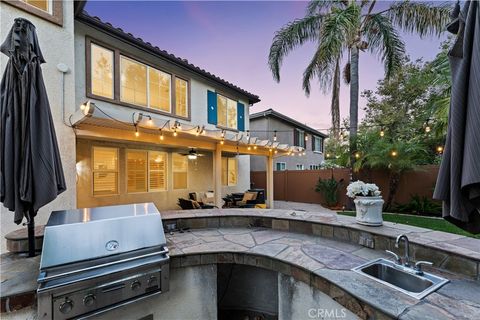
[
  {"x": 212, "y": 107},
  {"x": 240, "y": 116},
  {"x": 313, "y": 143},
  {"x": 295, "y": 137}
]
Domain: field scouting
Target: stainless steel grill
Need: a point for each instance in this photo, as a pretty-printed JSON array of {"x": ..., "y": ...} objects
[{"x": 94, "y": 260}]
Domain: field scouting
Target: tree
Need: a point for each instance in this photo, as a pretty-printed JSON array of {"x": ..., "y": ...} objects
[{"x": 349, "y": 26}]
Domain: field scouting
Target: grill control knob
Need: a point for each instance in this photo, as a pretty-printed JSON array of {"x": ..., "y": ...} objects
[
  {"x": 152, "y": 281},
  {"x": 136, "y": 285},
  {"x": 66, "y": 306},
  {"x": 89, "y": 300}
]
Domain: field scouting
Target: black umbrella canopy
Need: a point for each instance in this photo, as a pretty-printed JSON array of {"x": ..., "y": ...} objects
[
  {"x": 31, "y": 173},
  {"x": 458, "y": 183}
]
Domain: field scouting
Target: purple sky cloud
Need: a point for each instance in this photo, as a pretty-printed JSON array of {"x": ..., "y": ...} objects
[{"x": 232, "y": 39}]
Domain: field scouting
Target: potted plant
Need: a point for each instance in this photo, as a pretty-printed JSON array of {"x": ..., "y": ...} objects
[{"x": 368, "y": 202}]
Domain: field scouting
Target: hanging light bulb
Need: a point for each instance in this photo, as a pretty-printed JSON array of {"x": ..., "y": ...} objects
[
  {"x": 249, "y": 148},
  {"x": 328, "y": 155},
  {"x": 197, "y": 133},
  {"x": 161, "y": 134},
  {"x": 427, "y": 127},
  {"x": 275, "y": 135},
  {"x": 222, "y": 141},
  {"x": 440, "y": 149},
  {"x": 204, "y": 132},
  {"x": 254, "y": 147},
  {"x": 223, "y": 133},
  {"x": 357, "y": 155},
  {"x": 394, "y": 153},
  {"x": 382, "y": 132},
  {"x": 270, "y": 149},
  {"x": 276, "y": 151},
  {"x": 150, "y": 121},
  {"x": 175, "y": 132},
  {"x": 137, "y": 134}
]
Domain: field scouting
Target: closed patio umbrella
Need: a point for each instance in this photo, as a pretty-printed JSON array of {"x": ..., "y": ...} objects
[
  {"x": 31, "y": 172},
  {"x": 458, "y": 183}
]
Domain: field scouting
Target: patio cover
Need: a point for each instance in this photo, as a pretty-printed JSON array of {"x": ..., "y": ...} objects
[{"x": 458, "y": 183}]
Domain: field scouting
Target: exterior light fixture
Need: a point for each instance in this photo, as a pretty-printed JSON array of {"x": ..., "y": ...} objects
[
  {"x": 192, "y": 156},
  {"x": 275, "y": 135},
  {"x": 88, "y": 107}
]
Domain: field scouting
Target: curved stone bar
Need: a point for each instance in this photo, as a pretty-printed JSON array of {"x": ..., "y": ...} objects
[
  {"x": 318, "y": 249},
  {"x": 447, "y": 251}
]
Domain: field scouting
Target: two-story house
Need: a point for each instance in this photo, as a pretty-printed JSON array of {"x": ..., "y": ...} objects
[
  {"x": 134, "y": 122},
  {"x": 273, "y": 125}
]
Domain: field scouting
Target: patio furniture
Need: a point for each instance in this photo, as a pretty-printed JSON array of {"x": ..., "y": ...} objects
[
  {"x": 248, "y": 199},
  {"x": 206, "y": 199},
  {"x": 188, "y": 204}
]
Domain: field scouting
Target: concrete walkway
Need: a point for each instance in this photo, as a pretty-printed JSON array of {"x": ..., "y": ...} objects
[{"x": 300, "y": 206}]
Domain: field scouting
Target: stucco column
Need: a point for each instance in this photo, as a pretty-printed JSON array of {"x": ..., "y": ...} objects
[
  {"x": 269, "y": 166},
  {"x": 217, "y": 175}
]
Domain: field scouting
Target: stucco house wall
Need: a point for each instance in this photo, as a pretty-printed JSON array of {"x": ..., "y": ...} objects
[
  {"x": 56, "y": 43},
  {"x": 263, "y": 128}
]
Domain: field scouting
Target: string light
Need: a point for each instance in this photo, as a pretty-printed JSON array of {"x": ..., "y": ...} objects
[
  {"x": 357, "y": 155},
  {"x": 382, "y": 132},
  {"x": 328, "y": 155},
  {"x": 223, "y": 134},
  {"x": 440, "y": 149},
  {"x": 175, "y": 132},
  {"x": 254, "y": 147},
  {"x": 222, "y": 141},
  {"x": 427, "y": 127},
  {"x": 161, "y": 134},
  {"x": 394, "y": 153},
  {"x": 137, "y": 134},
  {"x": 249, "y": 148},
  {"x": 150, "y": 121},
  {"x": 276, "y": 151}
]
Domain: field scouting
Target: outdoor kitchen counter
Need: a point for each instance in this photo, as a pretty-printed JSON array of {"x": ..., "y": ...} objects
[{"x": 321, "y": 260}]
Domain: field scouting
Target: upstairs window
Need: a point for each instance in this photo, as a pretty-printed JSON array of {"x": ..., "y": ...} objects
[
  {"x": 226, "y": 112},
  {"x": 314, "y": 167},
  {"x": 101, "y": 71},
  {"x": 300, "y": 167},
  {"x": 181, "y": 97},
  {"x": 125, "y": 80},
  {"x": 281, "y": 166},
  {"x": 44, "y": 5},
  {"x": 50, "y": 10},
  {"x": 105, "y": 171},
  {"x": 133, "y": 82},
  {"x": 299, "y": 138},
  {"x": 317, "y": 144}
]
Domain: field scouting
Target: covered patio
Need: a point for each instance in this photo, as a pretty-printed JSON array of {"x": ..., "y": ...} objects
[{"x": 206, "y": 148}]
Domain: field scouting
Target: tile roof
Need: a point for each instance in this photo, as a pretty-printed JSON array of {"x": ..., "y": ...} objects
[
  {"x": 272, "y": 113},
  {"x": 107, "y": 27}
]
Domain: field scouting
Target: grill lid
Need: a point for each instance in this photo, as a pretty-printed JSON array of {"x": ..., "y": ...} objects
[{"x": 83, "y": 234}]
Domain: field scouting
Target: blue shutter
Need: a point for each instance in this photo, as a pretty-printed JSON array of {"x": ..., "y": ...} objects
[
  {"x": 240, "y": 116},
  {"x": 212, "y": 107}
]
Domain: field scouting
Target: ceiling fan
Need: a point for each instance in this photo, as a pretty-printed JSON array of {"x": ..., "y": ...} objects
[{"x": 192, "y": 154}]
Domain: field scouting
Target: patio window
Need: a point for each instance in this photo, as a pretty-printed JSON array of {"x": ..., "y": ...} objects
[
  {"x": 317, "y": 144},
  {"x": 136, "y": 171},
  {"x": 300, "y": 167},
  {"x": 181, "y": 97},
  {"x": 102, "y": 71},
  {"x": 105, "y": 171},
  {"x": 157, "y": 164},
  {"x": 146, "y": 171},
  {"x": 229, "y": 171},
  {"x": 226, "y": 112},
  {"x": 180, "y": 171},
  {"x": 299, "y": 138},
  {"x": 281, "y": 166}
]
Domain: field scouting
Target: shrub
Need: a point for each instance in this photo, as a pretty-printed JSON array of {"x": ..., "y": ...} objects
[{"x": 329, "y": 189}]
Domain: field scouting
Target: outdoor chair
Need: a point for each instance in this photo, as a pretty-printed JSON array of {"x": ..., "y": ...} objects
[{"x": 251, "y": 198}]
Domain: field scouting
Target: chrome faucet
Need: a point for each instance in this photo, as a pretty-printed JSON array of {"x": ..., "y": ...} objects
[{"x": 403, "y": 237}]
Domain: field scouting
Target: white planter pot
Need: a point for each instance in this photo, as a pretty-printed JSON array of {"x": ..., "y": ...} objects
[{"x": 369, "y": 210}]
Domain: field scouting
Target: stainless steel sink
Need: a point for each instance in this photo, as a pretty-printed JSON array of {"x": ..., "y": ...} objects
[{"x": 401, "y": 278}]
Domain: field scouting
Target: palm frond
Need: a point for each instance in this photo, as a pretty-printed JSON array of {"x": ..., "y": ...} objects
[
  {"x": 384, "y": 40},
  {"x": 319, "y": 6},
  {"x": 337, "y": 28},
  {"x": 420, "y": 17},
  {"x": 291, "y": 36}
]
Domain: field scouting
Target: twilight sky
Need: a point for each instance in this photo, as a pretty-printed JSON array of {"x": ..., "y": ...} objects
[{"x": 232, "y": 39}]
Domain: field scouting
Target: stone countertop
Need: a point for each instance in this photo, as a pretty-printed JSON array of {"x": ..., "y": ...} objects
[
  {"x": 448, "y": 242},
  {"x": 325, "y": 259}
]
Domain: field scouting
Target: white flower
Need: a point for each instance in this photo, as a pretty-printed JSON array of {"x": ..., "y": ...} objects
[{"x": 360, "y": 188}]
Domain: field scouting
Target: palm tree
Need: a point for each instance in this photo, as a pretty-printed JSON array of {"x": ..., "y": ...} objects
[{"x": 350, "y": 27}]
